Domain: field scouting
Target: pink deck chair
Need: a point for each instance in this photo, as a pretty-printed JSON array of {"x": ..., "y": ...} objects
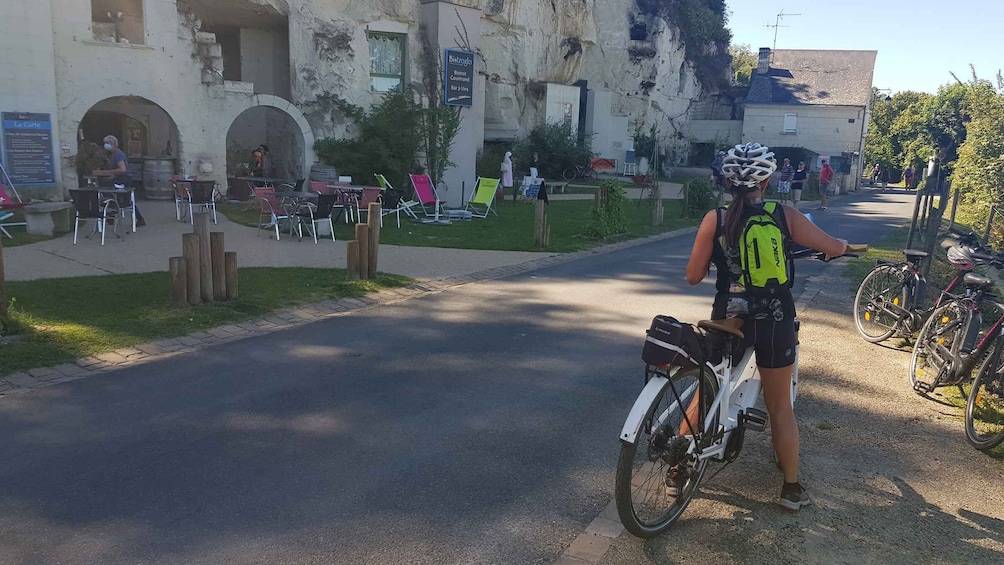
[
  {"x": 7, "y": 206},
  {"x": 426, "y": 193}
]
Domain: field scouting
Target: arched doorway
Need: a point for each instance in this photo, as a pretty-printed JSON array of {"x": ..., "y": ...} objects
[
  {"x": 274, "y": 122},
  {"x": 146, "y": 132}
]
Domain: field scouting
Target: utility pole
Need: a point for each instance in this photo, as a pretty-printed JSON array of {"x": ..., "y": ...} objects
[{"x": 777, "y": 24}]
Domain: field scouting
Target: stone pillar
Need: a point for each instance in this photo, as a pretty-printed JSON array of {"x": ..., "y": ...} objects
[{"x": 440, "y": 19}]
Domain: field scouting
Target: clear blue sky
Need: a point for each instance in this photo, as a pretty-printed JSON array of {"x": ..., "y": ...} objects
[{"x": 918, "y": 42}]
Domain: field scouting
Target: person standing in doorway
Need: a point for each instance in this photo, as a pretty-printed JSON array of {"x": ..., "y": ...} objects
[
  {"x": 117, "y": 170},
  {"x": 798, "y": 183},
  {"x": 825, "y": 177},
  {"x": 506, "y": 173}
]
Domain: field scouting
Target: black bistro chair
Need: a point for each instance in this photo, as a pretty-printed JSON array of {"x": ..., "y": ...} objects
[
  {"x": 316, "y": 214},
  {"x": 202, "y": 194},
  {"x": 90, "y": 206}
]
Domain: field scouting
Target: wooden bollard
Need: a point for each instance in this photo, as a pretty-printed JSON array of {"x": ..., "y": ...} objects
[
  {"x": 190, "y": 251},
  {"x": 540, "y": 227},
  {"x": 352, "y": 260},
  {"x": 363, "y": 237},
  {"x": 373, "y": 219},
  {"x": 178, "y": 281},
  {"x": 230, "y": 260},
  {"x": 219, "y": 267},
  {"x": 205, "y": 256}
]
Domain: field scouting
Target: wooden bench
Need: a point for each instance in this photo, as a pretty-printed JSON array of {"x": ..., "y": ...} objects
[{"x": 557, "y": 187}]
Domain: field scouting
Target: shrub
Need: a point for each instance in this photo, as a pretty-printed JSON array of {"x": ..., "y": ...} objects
[
  {"x": 558, "y": 147},
  {"x": 700, "y": 197},
  {"x": 609, "y": 218}
]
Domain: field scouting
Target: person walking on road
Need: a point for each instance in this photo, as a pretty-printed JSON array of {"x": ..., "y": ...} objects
[
  {"x": 798, "y": 183},
  {"x": 768, "y": 319},
  {"x": 784, "y": 182},
  {"x": 908, "y": 177},
  {"x": 825, "y": 177}
]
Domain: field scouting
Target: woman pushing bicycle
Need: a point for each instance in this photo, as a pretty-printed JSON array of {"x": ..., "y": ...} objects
[{"x": 750, "y": 245}]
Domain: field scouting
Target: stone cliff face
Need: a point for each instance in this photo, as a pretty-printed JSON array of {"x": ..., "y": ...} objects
[{"x": 609, "y": 44}]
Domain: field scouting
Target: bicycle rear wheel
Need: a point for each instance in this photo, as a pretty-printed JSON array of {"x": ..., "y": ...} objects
[
  {"x": 568, "y": 174},
  {"x": 932, "y": 351},
  {"x": 985, "y": 407},
  {"x": 656, "y": 478},
  {"x": 873, "y": 318}
]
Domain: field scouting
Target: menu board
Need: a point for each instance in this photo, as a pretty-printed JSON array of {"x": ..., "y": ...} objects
[
  {"x": 459, "y": 78},
  {"x": 27, "y": 148}
]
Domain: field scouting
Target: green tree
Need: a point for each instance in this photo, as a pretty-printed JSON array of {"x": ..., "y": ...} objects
[{"x": 744, "y": 62}]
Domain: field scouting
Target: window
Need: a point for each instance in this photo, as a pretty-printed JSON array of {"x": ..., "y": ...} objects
[
  {"x": 790, "y": 123},
  {"x": 387, "y": 56},
  {"x": 118, "y": 21}
]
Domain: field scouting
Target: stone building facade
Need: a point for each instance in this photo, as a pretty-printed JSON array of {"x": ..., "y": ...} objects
[{"x": 198, "y": 83}]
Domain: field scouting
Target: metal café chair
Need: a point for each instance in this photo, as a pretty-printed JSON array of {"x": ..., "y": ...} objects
[
  {"x": 202, "y": 194},
  {"x": 271, "y": 208},
  {"x": 316, "y": 214},
  {"x": 90, "y": 206}
]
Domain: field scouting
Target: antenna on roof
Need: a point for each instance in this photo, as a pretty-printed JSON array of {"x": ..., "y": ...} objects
[{"x": 777, "y": 24}]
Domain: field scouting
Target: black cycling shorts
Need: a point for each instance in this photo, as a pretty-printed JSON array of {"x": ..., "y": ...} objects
[{"x": 773, "y": 341}]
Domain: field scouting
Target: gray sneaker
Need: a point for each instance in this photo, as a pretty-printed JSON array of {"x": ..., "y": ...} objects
[{"x": 793, "y": 497}]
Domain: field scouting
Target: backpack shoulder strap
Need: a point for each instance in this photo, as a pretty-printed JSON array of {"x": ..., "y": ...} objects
[
  {"x": 776, "y": 212},
  {"x": 720, "y": 225}
]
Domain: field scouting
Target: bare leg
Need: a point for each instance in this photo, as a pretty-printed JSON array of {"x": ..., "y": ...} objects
[{"x": 783, "y": 428}]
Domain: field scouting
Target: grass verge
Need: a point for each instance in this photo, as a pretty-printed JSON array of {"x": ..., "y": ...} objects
[
  {"x": 18, "y": 233},
  {"x": 511, "y": 230},
  {"x": 65, "y": 319}
]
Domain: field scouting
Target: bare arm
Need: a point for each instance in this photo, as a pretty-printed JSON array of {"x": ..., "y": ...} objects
[
  {"x": 806, "y": 233},
  {"x": 704, "y": 244}
]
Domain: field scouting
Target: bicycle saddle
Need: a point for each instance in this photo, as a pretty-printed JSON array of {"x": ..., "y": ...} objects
[
  {"x": 913, "y": 254},
  {"x": 729, "y": 326},
  {"x": 972, "y": 279}
]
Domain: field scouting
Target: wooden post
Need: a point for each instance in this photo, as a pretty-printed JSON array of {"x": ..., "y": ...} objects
[
  {"x": 178, "y": 281},
  {"x": 219, "y": 267},
  {"x": 540, "y": 227},
  {"x": 205, "y": 256},
  {"x": 373, "y": 217},
  {"x": 230, "y": 262},
  {"x": 3, "y": 284},
  {"x": 352, "y": 260},
  {"x": 363, "y": 237},
  {"x": 190, "y": 251}
]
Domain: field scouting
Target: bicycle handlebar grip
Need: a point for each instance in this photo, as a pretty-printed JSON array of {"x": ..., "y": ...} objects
[{"x": 857, "y": 247}]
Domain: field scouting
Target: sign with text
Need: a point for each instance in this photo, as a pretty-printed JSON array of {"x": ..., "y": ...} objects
[
  {"x": 459, "y": 86},
  {"x": 27, "y": 148}
]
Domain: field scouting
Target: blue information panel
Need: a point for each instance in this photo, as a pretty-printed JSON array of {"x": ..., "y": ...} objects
[
  {"x": 27, "y": 148},
  {"x": 459, "y": 78}
]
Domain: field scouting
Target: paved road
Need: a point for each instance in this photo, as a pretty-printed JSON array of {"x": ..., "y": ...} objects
[{"x": 474, "y": 426}]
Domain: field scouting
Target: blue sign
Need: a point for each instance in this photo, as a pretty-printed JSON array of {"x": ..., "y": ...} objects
[
  {"x": 459, "y": 86},
  {"x": 27, "y": 148}
]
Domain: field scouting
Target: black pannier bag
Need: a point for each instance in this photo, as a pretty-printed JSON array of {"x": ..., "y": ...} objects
[{"x": 670, "y": 342}]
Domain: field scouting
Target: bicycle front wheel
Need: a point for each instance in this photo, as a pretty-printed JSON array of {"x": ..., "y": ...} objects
[
  {"x": 656, "y": 477},
  {"x": 881, "y": 288},
  {"x": 568, "y": 174},
  {"x": 589, "y": 173},
  {"x": 932, "y": 351},
  {"x": 985, "y": 407}
]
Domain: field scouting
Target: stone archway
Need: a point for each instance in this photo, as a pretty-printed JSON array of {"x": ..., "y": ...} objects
[{"x": 297, "y": 122}]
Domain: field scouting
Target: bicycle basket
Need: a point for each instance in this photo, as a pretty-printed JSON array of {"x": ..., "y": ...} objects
[{"x": 671, "y": 342}]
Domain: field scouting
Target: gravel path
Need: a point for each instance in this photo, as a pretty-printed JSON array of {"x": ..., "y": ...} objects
[{"x": 890, "y": 473}]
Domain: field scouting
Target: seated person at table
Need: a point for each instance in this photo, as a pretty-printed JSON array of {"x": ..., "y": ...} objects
[
  {"x": 261, "y": 162},
  {"x": 117, "y": 170}
]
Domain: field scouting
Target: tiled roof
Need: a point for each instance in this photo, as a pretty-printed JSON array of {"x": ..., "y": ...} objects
[{"x": 805, "y": 76}]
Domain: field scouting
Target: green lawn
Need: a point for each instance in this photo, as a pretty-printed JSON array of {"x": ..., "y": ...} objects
[
  {"x": 511, "y": 230},
  {"x": 66, "y": 319}
]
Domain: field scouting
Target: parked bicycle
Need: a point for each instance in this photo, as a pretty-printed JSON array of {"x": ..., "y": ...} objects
[
  {"x": 697, "y": 403},
  {"x": 892, "y": 298},
  {"x": 585, "y": 172}
]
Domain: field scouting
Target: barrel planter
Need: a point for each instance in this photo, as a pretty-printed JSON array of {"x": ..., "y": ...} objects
[{"x": 158, "y": 173}]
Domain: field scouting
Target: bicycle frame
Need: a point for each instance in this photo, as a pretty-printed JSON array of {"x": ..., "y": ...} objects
[
  {"x": 738, "y": 389},
  {"x": 912, "y": 311}
]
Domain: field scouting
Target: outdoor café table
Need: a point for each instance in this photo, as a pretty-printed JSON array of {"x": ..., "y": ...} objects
[{"x": 124, "y": 197}]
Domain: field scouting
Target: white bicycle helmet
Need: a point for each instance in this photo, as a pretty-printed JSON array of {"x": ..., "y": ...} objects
[
  {"x": 747, "y": 165},
  {"x": 961, "y": 257}
]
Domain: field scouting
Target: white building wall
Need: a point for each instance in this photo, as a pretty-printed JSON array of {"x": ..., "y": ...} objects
[
  {"x": 823, "y": 129},
  {"x": 609, "y": 133},
  {"x": 27, "y": 64}
]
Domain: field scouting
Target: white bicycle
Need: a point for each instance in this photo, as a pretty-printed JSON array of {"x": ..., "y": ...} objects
[{"x": 691, "y": 384}]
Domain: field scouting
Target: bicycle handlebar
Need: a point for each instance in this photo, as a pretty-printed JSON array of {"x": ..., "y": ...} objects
[{"x": 853, "y": 249}]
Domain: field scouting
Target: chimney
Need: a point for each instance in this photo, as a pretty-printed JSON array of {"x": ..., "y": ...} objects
[{"x": 764, "y": 62}]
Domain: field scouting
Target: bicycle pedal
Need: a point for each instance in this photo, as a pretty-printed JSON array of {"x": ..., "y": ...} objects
[
  {"x": 754, "y": 419},
  {"x": 921, "y": 387}
]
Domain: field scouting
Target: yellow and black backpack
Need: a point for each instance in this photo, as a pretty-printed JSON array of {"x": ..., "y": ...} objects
[{"x": 764, "y": 250}]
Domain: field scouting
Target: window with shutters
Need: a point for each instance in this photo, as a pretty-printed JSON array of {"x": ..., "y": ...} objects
[
  {"x": 790, "y": 123},
  {"x": 387, "y": 57}
]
